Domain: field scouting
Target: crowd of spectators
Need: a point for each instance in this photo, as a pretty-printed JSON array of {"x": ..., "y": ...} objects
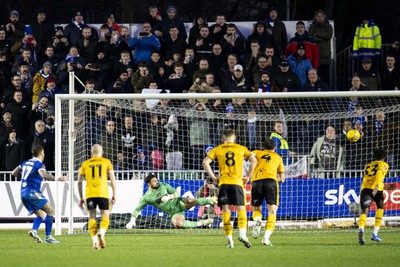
[{"x": 35, "y": 60}]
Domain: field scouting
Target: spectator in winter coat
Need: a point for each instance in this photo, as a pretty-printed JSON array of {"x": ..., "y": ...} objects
[
  {"x": 311, "y": 48},
  {"x": 144, "y": 43},
  {"x": 321, "y": 30},
  {"x": 299, "y": 63}
]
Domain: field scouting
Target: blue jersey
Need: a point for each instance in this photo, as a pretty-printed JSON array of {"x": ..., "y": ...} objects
[{"x": 30, "y": 177}]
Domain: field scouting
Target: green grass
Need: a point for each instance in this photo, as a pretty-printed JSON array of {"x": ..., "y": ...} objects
[{"x": 290, "y": 249}]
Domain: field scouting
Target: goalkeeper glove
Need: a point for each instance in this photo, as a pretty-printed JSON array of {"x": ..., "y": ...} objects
[
  {"x": 167, "y": 197},
  {"x": 131, "y": 224}
]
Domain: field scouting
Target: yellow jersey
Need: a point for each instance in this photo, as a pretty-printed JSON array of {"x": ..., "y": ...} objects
[
  {"x": 230, "y": 157},
  {"x": 269, "y": 164},
  {"x": 95, "y": 171},
  {"x": 374, "y": 174}
]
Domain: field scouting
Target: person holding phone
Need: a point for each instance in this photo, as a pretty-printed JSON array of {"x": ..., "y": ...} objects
[{"x": 144, "y": 43}]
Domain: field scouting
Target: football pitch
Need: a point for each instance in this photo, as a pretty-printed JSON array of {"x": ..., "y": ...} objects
[{"x": 183, "y": 249}]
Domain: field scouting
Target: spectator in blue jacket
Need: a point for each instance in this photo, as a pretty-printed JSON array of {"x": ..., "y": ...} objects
[
  {"x": 299, "y": 64},
  {"x": 144, "y": 44}
]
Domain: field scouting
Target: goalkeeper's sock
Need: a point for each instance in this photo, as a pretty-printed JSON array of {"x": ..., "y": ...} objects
[
  {"x": 226, "y": 219},
  {"x": 271, "y": 220},
  {"x": 36, "y": 223},
  {"x": 378, "y": 218},
  {"x": 92, "y": 227},
  {"x": 361, "y": 221},
  {"x": 105, "y": 223},
  {"x": 189, "y": 224},
  {"x": 48, "y": 222},
  {"x": 257, "y": 216},
  {"x": 203, "y": 201}
]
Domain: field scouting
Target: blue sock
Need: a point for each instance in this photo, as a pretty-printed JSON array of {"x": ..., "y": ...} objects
[
  {"x": 48, "y": 221},
  {"x": 36, "y": 223}
]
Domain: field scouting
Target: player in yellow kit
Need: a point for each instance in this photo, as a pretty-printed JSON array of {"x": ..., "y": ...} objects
[
  {"x": 372, "y": 190},
  {"x": 230, "y": 157},
  {"x": 268, "y": 172},
  {"x": 96, "y": 171}
]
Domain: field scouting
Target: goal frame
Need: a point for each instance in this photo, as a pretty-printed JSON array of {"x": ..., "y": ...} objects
[{"x": 71, "y": 135}]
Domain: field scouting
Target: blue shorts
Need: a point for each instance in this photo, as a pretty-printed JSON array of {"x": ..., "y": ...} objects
[{"x": 33, "y": 200}]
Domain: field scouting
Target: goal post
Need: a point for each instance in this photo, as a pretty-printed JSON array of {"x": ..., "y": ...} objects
[{"x": 141, "y": 135}]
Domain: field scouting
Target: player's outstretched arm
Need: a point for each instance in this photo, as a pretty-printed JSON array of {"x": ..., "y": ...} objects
[
  {"x": 49, "y": 177},
  {"x": 132, "y": 223}
]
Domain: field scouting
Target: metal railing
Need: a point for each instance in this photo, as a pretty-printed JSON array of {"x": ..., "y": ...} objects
[
  {"x": 345, "y": 66},
  {"x": 201, "y": 175}
]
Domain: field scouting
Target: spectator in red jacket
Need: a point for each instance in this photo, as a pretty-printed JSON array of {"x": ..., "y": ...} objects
[{"x": 302, "y": 36}]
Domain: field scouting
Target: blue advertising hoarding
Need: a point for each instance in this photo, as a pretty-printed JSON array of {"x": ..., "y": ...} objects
[{"x": 305, "y": 198}]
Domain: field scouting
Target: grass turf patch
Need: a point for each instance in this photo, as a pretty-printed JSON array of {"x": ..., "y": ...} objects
[{"x": 290, "y": 249}]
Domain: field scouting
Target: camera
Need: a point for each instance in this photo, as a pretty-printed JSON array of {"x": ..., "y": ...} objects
[
  {"x": 143, "y": 34},
  {"x": 73, "y": 64}
]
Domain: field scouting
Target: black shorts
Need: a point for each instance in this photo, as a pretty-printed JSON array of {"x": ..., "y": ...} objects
[
  {"x": 265, "y": 188},
  {"x": 230, "y": 194},
  {"x": 366, "y": 198},
  {"x": 100, "y": 202}
]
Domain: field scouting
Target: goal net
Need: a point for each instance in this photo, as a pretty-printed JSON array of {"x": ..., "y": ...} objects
[{"x": 169, "y": 135}]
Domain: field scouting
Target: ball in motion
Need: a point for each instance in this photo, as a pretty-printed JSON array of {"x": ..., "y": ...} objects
[{"x": 353, "y": 135}]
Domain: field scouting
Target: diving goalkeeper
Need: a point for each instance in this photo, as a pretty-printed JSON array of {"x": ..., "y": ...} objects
[{"x": 165, "y": 198}]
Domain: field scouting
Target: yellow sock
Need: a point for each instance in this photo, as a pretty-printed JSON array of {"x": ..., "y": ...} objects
[
  {"x": 242, "y": 219},
  {"x": 105, "y": 222},
  {"x": 226, "y": 218},
  {"x": 92, "y": 227},
  {"x": 271, "y": 220},
  {"x": 361, "y": 220},
  {"x": 378, "y": 217},
  {"x": 256, "y": 214}
]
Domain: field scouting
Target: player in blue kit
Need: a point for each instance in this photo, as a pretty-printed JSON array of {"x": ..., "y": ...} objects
[{"x": 32, "y": 172}]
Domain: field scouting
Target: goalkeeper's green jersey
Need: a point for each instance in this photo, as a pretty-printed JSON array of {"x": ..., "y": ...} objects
[{"x": 153, "y": 197}]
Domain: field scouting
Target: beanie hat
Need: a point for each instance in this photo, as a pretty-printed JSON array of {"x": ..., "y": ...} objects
[
  {"x": 171, "y": 8},
  {"x": 51, "y": 80},
  {"x": 59, "y": 28},
  {"x": 229, "y": 108},
  {"x": 28, "y": 30},
  {"x": 300, "y": 46},
  {"x": 47, "y": 63},
  {"x": 272, "y": 8},
  {"x": 14, "y": 13}
]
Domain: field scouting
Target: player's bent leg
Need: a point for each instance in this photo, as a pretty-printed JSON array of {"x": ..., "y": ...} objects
[
  {"x": 205, "y": 222},
  {"x": 257, "y": 221},
  {"x": 226, "y": 219},
  {"x": 242, "y": 225},
  {"x": 35, "y": 236},
  {"x": 361, "y": 239},
  {"x": 178, "y": 220},
  {"x": 378, "y": 220},
  {"x": 104, "y": 224},
  {"x": 270, "y": 226},
  {"x": 36, "y": 224}
]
